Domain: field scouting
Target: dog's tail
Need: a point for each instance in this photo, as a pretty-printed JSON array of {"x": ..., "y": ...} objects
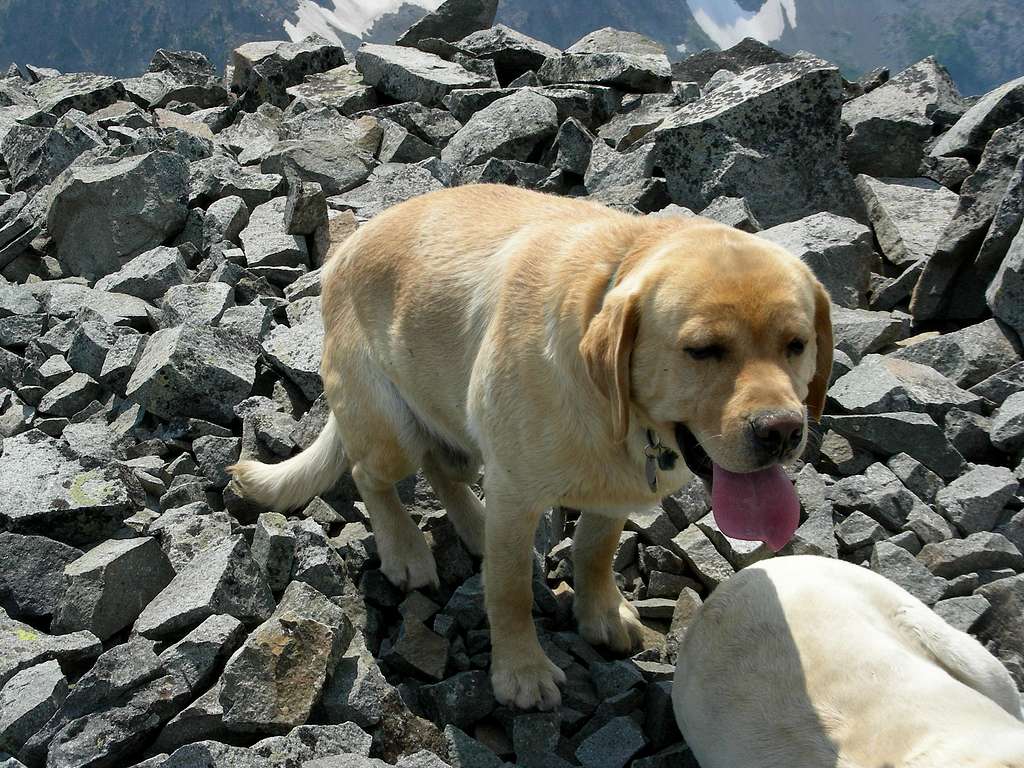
[{"x": 292, "y": 483}]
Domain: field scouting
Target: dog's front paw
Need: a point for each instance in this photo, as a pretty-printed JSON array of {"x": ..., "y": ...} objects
[
  {"x": 410, "y": 566},
  {"x": 527, "y": 682},
  {"x": 613, "y": 623}
]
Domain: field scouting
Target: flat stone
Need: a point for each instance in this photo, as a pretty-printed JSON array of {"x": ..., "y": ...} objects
[
  {"x": 837, "y": 249},
  {"x": 633, "y": 72},
  {"x": 509, "y": 128},
  {"x": 85, "y": 92},
  {"x": 612, "y": 745},
  {"x": 738, "y": 552},
  {"x": 978, "y": 552},
  {"x": 263, "y": 71},
  {"x": 28, "y": 700},
  {"x": 108, "y": 587},
  {"x": 887, "y": 434},
  {"x": 297, "y": 352},
  {"x": 920, "y": 480},
  {"x": 187, "y": 530},
  {"x": 406, "y": 74},
  {"x": 389, "y": 184},
  {"x": 962, "y": 612},
  {"x": 452, "y": 21},
  {"x": 858, "y": 531},
  {"x": 222, "y": 579},
  {"x": 419, "y": 651},
  {"x": 746, "y": 54},
  {"x": 336, "y": 163},
  {"x": 23, "y": 647},
  {"x": 733, "y": 212},
  {"x": 31, "y": 574},
  {"x": 967, "y": 356},
  {"x": 975, "y": 500},
  {"x": 908, "y": 215},
  {"x": 975, "y": 127},
  {"x": 702, "y": 557},
  {"x": 340, "y": 88},
  {"x": 196, "y": 304},
  {"x": 902, "y": 568},
  {"x": 1008, "y": 424}
]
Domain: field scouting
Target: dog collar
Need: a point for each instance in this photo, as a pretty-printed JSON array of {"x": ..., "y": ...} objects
[{"x": 657, "y": 456}]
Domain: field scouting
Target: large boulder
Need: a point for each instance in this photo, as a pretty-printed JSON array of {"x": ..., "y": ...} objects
[
  {"x": 262, "y": 72},
  {"x": 452, "y": 20},
  {"x": 406, "y": 74},
  {"x": 509, "y": 128},
  {"x": 908, "y": 215},
  {"x": 997, "y": 108},
  {"x": 771, "y": 136}
]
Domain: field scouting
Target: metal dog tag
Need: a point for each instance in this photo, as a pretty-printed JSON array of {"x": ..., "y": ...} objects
[{"x": 651, "y": 472}]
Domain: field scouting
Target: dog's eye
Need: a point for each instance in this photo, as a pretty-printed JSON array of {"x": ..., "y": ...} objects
[
  {"x": 710, "y": 352},
  {"x": 795, "y": 347}
]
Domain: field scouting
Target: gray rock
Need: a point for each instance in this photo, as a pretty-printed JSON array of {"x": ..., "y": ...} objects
[
  {"x": 193, "y": 371},
  {"x": 267, "y": 242},
  {"x": 738, "y": 552},
  {"x": 732, "y": 211},
  {"x": 701, "y": 556},
  {"x": 400, "y": 146},
  {"x": 908, "y": 215},
  {"x": 642, "y": 116},
  {"x": 28, "y": 700},
  {"x": 31, "y": 574},
  {"x": 22, "y": 647},
  {"x": 389, "y": 184},
  {"x": 253, "y": 320},
  {"x": 858, "y": 332},
  {"x": 1008, "y": 424},
  {"x": 263, "y": 71},
  {"x": 512, "y": 52},
  {"x": 333, "y": 162},
  {"x": 837, "y": 249},
  {"x": 419, "y": 651},
  {"x": 610, "y": 169},
  {"x": 315, "y": 562},
  {"x": 36, "y": 156},
  {"x": 221, "y": 579},
  {"x": 70, "y": 396},
  {"x": 453, "y": 19},
  {"x": 462, "y": 699},
  {"x": 221, "y": 176},
  {"x": 197, "y": 656},
  {"x": 466, "y": 752},
  {"x": 306, "y": 209},
  {"x": 613, "y": 745},
  {"x": 313, "y": 744},
  {"x": 91, "y": 344},
  {"x": 975, "y": 500},
  {"x": 273, "y": 549},
  {"x": 972, "y": 131},
  {"x": 200, "y": 720},
  {"x": 858, "y": 531},
  {"x": 966, "y": 356},
  {"x": 296, "y": 352},
  {"x": 276, "y": 678},
  {"x": 45, "y": 491},
  {"x": 406, "y": 74},
  {"x": 107, "y": 588},
  {"x": 341, "y": 88},
  {"x": 196, "y": 304},
  {"x": 103, "y": 216},
  {"x": 422, "y": 759},
  {"x": 214, "y": 754},
  {"x": 186, "y": 531},
  {"x": 720, "y": 78},
  {"x": 978, "y": 552},
  {"x": 64, "y": 300},
  {"x": 969, "y": 434},
  {"x": 920, "y": 480},
  {"x": 887, "y": 434},
  {"x": 881, "y": 384},
  {"x": 890, "y": 126},
  {"x": 633, "y": 72},
  {"x": 85, "y": 92},
  {"x": 357, "y": 690},
  {"x": 509, "y": 128},
  {"x": 962, "y": 612},
  {"x": 902, "y": 568},
  {"x": 744, "y": 55},
  {"x": 1001, "y": 627},
  {"x": 214, "y": 455},
  {"x": 738, "y": 141},
  {"x": 928, "y": 525},
  {"x": 1005, "y": 294},
  {"x": 224, "y": 221}
]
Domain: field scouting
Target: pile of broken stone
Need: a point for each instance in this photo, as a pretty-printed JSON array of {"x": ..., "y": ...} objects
[{"x": 161, "y": 239}]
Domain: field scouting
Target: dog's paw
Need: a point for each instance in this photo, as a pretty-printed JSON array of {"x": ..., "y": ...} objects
[
  {"x": 528, "y": 683},
  {"x": 616, "y": 626},
  {"x": 409, "y": 567}
]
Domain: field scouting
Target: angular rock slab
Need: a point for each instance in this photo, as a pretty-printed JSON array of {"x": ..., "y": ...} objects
[
  {"x": 770, "y": 136},
  {"x": 44, "y": 490},
  {"x": 638, "y": 73},
  {"x": 453, "y": 20},
  {"x": 32, "y": 574},
  {"x": 1005, "y": 295},
  {"x": 406, "y": 74},
  {"x": 908, "y": 215},
  {"x": 104, "y": 215},
  {"x": 969, "y": 355},
  {"x": 509, "y": 128},
  {"x": 887, "y": 434},
  {"x": 222, "y": 579},
  {"x": 296, "y": 351},
  {"x": 276, "y": 678},
  {"x": 997, "y": 108},
  {"x": 22, "y": 647},
  {"x": 193, "y": 371},
  {"x": 27, "y": 701}
]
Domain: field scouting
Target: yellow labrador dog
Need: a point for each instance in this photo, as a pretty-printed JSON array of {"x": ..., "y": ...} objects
[
  {"x": 806, "y": 662},
  {"x": 587, "y": 358}
]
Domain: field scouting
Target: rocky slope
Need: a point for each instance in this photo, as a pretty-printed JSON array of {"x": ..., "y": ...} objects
[{"x": 160, "y": 244}]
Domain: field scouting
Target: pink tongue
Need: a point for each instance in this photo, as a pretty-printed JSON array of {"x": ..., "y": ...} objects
[{"x": 756, "y": 506}]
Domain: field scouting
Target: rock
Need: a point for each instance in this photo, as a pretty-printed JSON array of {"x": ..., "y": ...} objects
[
  {"x": 512, "y": 52},
  {"x": 633, "y": 72},
  {"x": 974, "y": 501},
  {"x": 908, "y": 215},
  {"x": 902, "y": 568},
  {"x": 22, "y": 647},
  {"x": 858, "y": 531},
  {"x": 333, "y": 162},
  {"x": 273, "y": 549},
  {"x": 44, "y": 491},
  {"x": 31, "y": 574},
  {"x": 341, "y": 88},
  {"x": 453, "y": 20},
  {"x": 1005, "y": 294},
  {"x": 213, "y": 455},
  {"x": 968, "y": 432},
  {"x": 28, "y": 700},
  {"x": 890, "y": 126},
  {"x": 65, "y": 300},
  {"x": 466, "y": 752},
  {"x": 980, "y": 198},
  {"x": 200, "y": 720},
  {"x": 316, "y": 563},
  {"x": 418, "y": 651},
  {"x": 70, "y": 396},
  {"x": 267, "y": 243},
  {"x": 738, "y": 142},
  {"x": 887, "y": 434},
  {"x": 224, "y": 221},
  {"x": 746, "y": 54},
  {"x": 149, "y": 275},
  {"x": 962, "y": 612},
  {"x": 702, "y": 557},
  {"x": 317, "y": 745},
  {"x": 196, "y": 304},
  {"x": 920, "y": 480},
  {"x": 87, "y": 93},
  {"x": 357, "y": 689},
  {"x": 389, "y": 184},
  {"x": 966, "y": 356},
  {"x": 1001, "y": 627},
  {"x": 978, "y": 552},
  {"x": 884, "y": 384},
  {"x": 738, "y": 552},
  {"x": 221, "y": 579},
  {"x": 262, "y": 72},
  {"x": 193, "y": 371},
  {"x": 108, "y": 587},
  {"x": 213, "y": 754},
  {"x": 221, "y": 176},
  {"x": 1008, "y": 424},
  {"x": 997, "y": 108},
  {"x": 732, "y": 211},
  {"x": 406, "y": 74},
  {"x": 273, "y": 682},
  {"x": 462, "y": 699},
  {"x": 612, "y": 745},
  {"x": 508, "y": 128},
  {"x": 296, "y": 352},
  {"x": 837, "y": 249},
  {"x": 610, "y": 169},
  {"x": 36, "y": 156},
  {"x": 105, "y": 215},
  {"x": 858, "y": 332},
  {"x": 306, "y": 208}
]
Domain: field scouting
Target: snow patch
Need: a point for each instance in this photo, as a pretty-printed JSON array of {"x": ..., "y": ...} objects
[
  {"x": 336, "y": 17},
  {"x": 727, "y": 23}
]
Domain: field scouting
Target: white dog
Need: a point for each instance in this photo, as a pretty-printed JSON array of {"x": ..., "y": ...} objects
[{"x": 807, "y": 662}]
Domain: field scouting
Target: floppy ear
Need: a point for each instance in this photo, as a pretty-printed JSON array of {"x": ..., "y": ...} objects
[
  {"x": 606, "y": 349},
  {"x": 823, "y": 361}
]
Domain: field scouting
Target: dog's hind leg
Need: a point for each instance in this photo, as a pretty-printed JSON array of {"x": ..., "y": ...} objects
[{"x": 464, "y": 509}]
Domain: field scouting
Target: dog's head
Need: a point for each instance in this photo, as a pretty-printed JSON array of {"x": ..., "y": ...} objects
[{"x": 721, "y": 333}]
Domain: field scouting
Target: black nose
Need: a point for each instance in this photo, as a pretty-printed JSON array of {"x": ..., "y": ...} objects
[{"x": 776, "y": 433}]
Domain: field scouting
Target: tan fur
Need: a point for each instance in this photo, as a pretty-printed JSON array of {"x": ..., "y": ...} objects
[
  {"x": 477, "y": 321},
  {"x": 807, "y": 662}
]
